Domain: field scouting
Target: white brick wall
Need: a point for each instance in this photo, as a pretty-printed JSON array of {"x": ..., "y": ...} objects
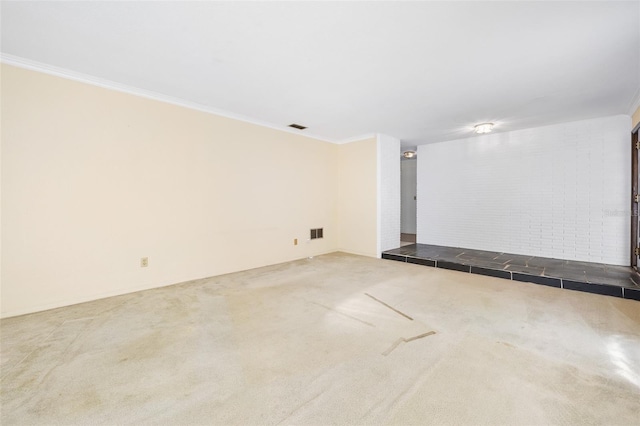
[
  {"x": 388, "y": 193},
  {"x": 560, "y": 191}
]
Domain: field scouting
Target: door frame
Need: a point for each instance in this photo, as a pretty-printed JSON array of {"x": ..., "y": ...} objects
[{"x": 634, "y": 193}]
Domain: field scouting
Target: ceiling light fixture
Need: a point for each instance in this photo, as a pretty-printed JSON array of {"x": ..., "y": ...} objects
[
  {"x": 409, "y": 154},
  {"x": 483, "y": 127}
]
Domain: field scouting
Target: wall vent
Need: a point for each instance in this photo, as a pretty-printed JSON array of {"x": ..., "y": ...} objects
[
  {"x": 317, "y": 233},
  {"x": 297, "y": 126}
]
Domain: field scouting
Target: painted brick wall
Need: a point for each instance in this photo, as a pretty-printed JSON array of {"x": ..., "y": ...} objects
[
  {"x": 388, "y": 193},
  {"x": 558, "y": 191}
]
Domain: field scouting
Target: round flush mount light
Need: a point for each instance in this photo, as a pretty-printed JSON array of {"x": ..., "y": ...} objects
[
  {"x": 483, "y": 128},
  {"x": 409, "y": 154}
]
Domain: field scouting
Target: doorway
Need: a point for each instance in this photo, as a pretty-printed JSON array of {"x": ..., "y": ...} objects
[{"x": 408, "y": 201}]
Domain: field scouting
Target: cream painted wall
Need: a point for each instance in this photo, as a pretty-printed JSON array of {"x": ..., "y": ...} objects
[
  {"x": 94, "y": 179},
  {"x": 357, "y": 197},
  {"x": 635, "y": 118}
]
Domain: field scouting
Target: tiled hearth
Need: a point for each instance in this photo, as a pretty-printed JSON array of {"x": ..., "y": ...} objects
[{"x": 599, "y": 278}]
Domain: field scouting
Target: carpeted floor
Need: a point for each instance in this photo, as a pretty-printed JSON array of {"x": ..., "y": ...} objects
[{"x": 337, "y": 339}]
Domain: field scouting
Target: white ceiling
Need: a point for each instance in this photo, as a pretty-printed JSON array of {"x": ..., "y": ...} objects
[{"x": 420, "y": 71}]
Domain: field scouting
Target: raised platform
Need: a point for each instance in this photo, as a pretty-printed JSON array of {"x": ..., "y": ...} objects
[{"x": 599, "y": 278}]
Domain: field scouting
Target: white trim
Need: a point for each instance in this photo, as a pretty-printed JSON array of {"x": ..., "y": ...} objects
[
  {"x": 148, "y": 94},
  {"x": 635, "y": 102},
  {"x": 357, "y": 138}
]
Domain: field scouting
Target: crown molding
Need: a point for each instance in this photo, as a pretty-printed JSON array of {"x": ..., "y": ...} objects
[
  {"x": 29, "y": 64},
  {"x": 635, "y": 102},
  {"x": 357, "y": 138}
]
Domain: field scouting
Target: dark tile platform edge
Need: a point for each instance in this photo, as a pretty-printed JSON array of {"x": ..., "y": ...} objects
[
  {"x": 397, "y": 257},
  {"x": 491, "y": 272},
  {"x": 632, "y": 294},
  {"x": 536, "y": 279},
  {"x": 607, "y": 290},
  {"x": 602, "y": 289},
  {"x": 453, "y": 266},
  {"x": 419, "y": 261}
]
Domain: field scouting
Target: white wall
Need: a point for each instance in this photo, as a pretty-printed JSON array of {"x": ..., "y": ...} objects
[
  {"x": 388, "y": 193},
  {"x": 409, "y": 191},
  {"x": 560, "y": 191}
]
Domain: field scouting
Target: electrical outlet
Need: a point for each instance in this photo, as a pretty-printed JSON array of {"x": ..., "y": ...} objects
[
  {"x": 295, "y": 241},
  {"x": 144, "y": 262}
]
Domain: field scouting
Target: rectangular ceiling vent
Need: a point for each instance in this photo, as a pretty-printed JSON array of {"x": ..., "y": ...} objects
[{"x": 297, "y": 126}]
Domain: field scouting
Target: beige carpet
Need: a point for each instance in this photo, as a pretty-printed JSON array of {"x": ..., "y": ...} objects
[{"x": 338, "y": 339}]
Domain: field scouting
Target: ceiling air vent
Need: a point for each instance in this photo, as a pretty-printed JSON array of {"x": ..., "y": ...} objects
[{"x": 297, "y": 126}]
